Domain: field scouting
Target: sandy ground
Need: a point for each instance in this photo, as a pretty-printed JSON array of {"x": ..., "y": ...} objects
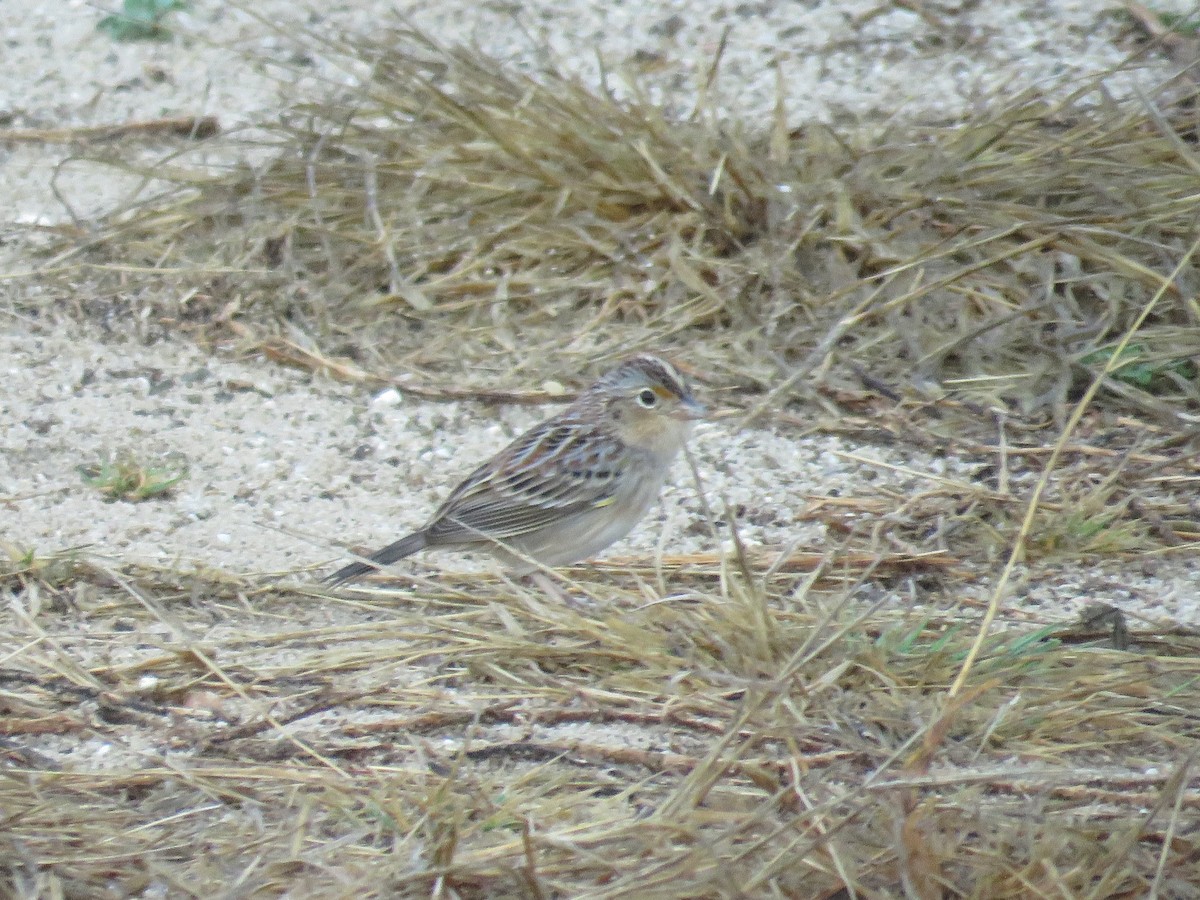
[{"x": 283, "y": 465}]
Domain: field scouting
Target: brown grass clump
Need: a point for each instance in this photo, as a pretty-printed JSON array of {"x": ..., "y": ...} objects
[
  {"x": 733, "y": 740},
  {"x": 448, "y": 211}
]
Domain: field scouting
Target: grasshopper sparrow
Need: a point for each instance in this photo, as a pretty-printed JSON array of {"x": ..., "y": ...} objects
[{"x": 569, "y": 487}]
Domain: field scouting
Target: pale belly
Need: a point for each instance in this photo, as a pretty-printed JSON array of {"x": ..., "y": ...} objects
[{"x": 586, "y": 534}]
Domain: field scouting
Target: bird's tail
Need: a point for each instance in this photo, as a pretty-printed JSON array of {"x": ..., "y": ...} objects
[{"x": 406, "y": 546}]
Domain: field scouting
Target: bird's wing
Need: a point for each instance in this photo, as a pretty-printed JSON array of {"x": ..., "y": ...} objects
[{"x": 560, "y": 468}]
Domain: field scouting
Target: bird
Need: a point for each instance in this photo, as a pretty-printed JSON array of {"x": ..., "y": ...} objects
[{"x": 569, "y": 487}]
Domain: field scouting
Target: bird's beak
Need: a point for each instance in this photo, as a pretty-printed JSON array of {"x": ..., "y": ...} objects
[{"x": 692, "y": 410}]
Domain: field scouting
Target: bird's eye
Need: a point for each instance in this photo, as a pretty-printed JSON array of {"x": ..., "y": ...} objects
[{"x": 647, "y": 399}]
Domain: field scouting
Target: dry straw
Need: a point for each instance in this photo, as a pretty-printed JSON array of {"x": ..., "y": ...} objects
[
  {"x": 447, "y": 211},
  {"x": 203, "y": 734}
]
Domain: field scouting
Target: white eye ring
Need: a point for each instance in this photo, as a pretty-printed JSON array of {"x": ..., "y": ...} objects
[{"x": 647, "y": 399}]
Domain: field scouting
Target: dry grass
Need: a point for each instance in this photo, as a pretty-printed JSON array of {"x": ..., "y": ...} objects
[
  {"x": 201, "y": 734},
  {"x": 719, "y": 728},
  {"x": 448, "y": 214}
]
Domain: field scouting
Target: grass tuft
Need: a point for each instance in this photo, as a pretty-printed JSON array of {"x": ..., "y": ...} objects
[
  {"x": 126, "y": 478},
  {"x": 446, "y": 213}
]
